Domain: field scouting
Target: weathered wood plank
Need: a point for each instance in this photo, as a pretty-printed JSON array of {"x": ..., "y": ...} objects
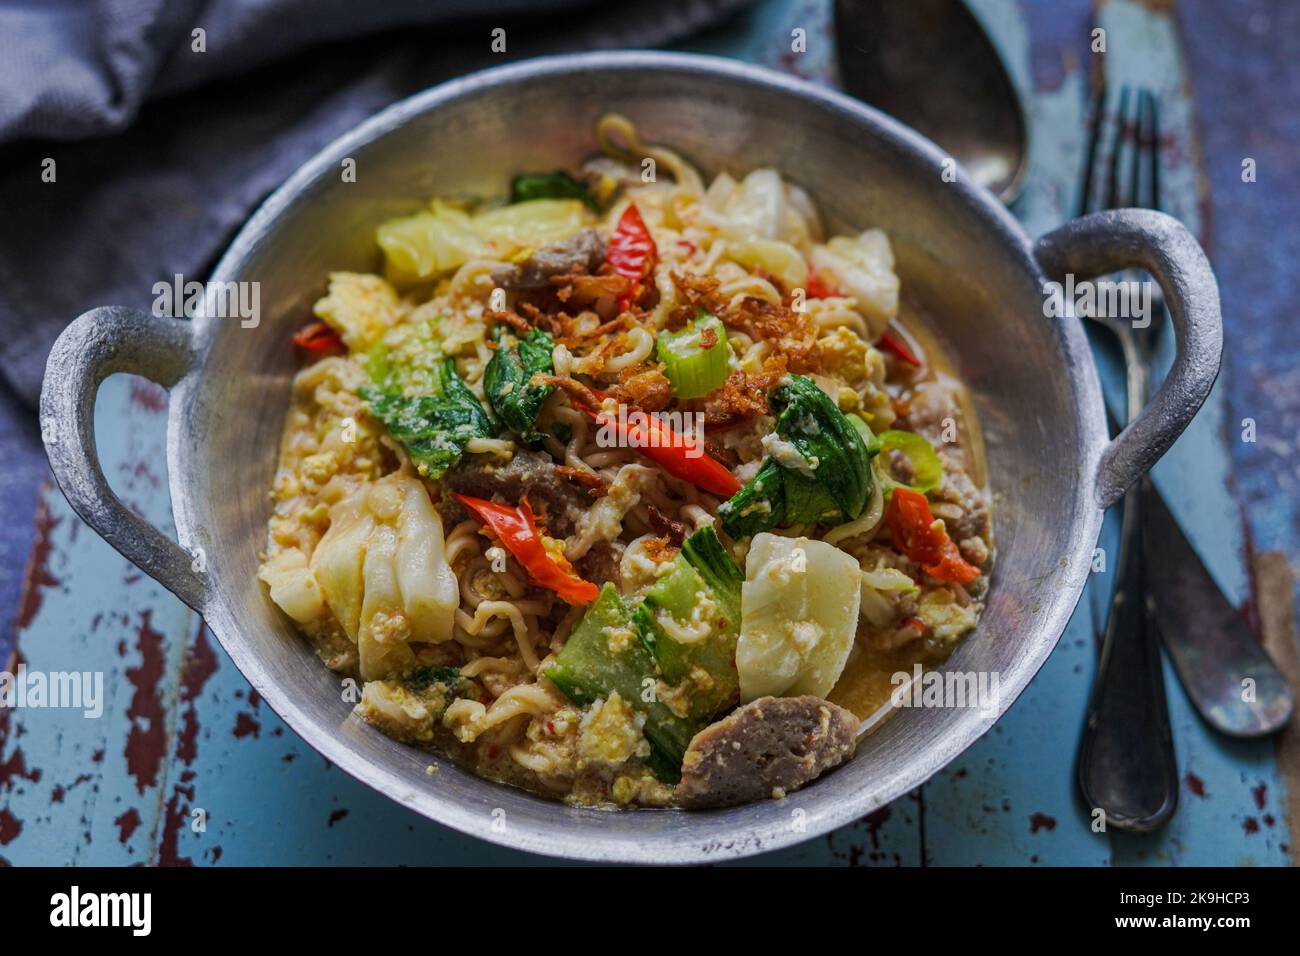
[{"x": 76, "y": 789}]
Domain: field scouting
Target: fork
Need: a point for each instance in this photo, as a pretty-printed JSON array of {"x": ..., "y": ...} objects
[{"x": 1126, "y": 764}]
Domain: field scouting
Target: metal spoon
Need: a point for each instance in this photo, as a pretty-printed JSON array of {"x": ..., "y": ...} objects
[{"x": 930, "y": 64}]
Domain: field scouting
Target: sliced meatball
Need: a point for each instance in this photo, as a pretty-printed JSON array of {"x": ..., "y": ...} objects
[
  {"x": 602, "y": 564},
  {"x": 555, "y": 501},
  {"x": 582, "y": 252},
  {"x": 766, "y": 748}
]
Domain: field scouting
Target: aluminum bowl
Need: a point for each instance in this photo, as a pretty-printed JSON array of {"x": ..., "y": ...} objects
[{"x": 1034, "y": 386}]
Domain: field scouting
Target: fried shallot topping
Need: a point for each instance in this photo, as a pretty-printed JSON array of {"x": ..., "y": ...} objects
[
  {"x": 697, "y": 292},
  {"x": 661, "y": 549},
  {"x": 666, "y": 527},
  {"x": 579, "y": 395},
  {"x": 743, "y": 394},
  {"x": 791, "y": 334},
  {"x": 643, "y": 386},
  {"x": 594, "y": 484},
  {"x": 508, "y": 317},
  {"x": 599, "y": 292}
]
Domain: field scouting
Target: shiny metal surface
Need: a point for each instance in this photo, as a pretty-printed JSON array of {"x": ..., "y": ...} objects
[
  {"x": 1216, "y": 653},
  {"x": 930, "y": 64},
  {"x": 1127, "y": 765},
  {"x": 959, "y": 252}
]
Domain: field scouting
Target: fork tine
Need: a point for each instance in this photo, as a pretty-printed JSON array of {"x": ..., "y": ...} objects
[
  {"x": 1153, "y": 129},
  {"x": 1098, "y": 113},
  {"x": 1113, "y": 198},
  {"x": 1141, "y": 150}
]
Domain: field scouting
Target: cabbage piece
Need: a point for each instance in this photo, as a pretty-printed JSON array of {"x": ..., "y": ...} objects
[
  {"x": 762, "y": 206},
  {"x": 882, "y": 589},
  {"x": 337, "y": 561},
  {"x": 385, "y": 631},
  {"x": 510, "y": 230},
  {"x": 862, "y": 267},
  {"x": 428, "y": 244},
  {"x": 433, "y": 428},
  {"x": 382, "y": 569},
  {"x": 779, "y": 259},
  {"x": 293, "y": 586},
  {"x": 430, "y": 594},
  {"x": 799, "y": 615}
]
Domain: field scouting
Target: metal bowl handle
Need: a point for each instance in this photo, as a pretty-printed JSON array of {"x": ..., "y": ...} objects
[
  {"x": 1106, "y": 242},
  {"x": 96, "y": 345}
]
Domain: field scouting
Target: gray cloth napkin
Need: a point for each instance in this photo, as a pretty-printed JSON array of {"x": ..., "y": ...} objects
[{"x": 161, "y": 151}]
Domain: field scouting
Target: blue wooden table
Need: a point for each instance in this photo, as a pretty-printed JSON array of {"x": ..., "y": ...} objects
[{"x": 187, "y": 766}]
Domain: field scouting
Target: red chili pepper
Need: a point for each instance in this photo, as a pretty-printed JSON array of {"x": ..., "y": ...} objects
[
  {"x": 317, "y": 337},
  {"x": 911, "y": 524},
  {"x": 664, "y": 446},
  {"x": 892, "y": 343},
  {"x": 817, "y": 289},
  {"x": 517, "y": 529},
  {"x": 632, "y": 252},
  {"x": 668, "y": 448}
]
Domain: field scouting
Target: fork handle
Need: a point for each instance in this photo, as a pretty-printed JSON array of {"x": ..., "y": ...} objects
[{"x": 1127, "y": 766}]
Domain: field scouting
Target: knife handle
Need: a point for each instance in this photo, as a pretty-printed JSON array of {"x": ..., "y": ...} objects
[{"x": 1126, "y": 765}]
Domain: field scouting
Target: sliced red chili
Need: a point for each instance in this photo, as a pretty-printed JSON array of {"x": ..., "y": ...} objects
[
  {"x": 318, "y": 337},
  {"x": 894, "y": 344},
  {"x": 663, "y": 445},
  {"x": 670, "y": 450},
  {"x": 632, "y": 252},
  {"x": 516, "y": 527},
  {"x": 817, "y": 289},
  {"x": 912, "y": 527}
]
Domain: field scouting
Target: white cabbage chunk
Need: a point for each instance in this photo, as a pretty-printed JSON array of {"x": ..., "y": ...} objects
[
  {"x": 775, "y": 257},
  {"x": 360, "y": 308},
  {"x": 430, "y": 592},
  {"x": 383, "y": 571},
  {"x": 424, "y": 246},
  {"x": 526, "y": 226},
  {"x": 862, "y": 267},
  {"x": 798, "y": 617},
  {"x": 762, "y": 206},
  {"x": 432, "y": 243},
  {"x": 293, "y": 586},
  {"x": 882, "y": 590}
]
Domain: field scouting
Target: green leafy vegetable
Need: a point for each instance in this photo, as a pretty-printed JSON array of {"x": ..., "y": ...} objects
[
  {"x": 507, "y": 377},
  {"x": 696, "y": 358},
  {"x": 823, "y": 474},
  {"x": 757, "y": 506},
  {"x": 433, "y": 675},
  {"x": 701, "y": 594},
  {"x": 603, "y": 655},
  {"x": 435, "y": 427},
  {"x": 707, "y": 555},
  {"x": 437, "y": 687},
  {"x": 556, "y": 185}
]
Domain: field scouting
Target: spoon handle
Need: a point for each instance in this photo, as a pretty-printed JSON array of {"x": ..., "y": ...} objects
[
  {"x": 1229, "y": 678},
  {"x": 1126, "y": 758}
]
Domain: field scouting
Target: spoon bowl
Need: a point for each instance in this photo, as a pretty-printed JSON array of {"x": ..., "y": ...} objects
[{"x": 930, "y": 64}]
